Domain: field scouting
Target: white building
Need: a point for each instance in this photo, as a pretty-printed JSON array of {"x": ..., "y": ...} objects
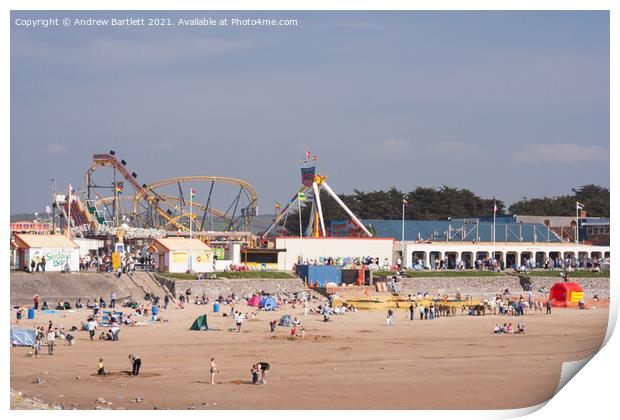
[
  {"x": 509, "y": 252},
  {"x": 58, "y": 251},
  {"x": 172, "y": 255},
  {"x": 310, "y": 248}
]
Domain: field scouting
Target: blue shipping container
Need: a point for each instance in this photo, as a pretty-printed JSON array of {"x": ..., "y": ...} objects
[{"x": 322, "y": 274}]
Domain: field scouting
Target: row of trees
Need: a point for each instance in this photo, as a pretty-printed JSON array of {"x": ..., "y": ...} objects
[{"x": 428, "y": 203}]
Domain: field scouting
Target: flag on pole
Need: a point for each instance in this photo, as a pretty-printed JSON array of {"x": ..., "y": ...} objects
[
  {"x": 73, "y": 192},
  {"x": 119, "y": 187},
  {"x": 580, "y": 206},
  {"x": 405, "y": 200},
  {"x": 277, "y": 205},
  {"x": 308, "y": 154},
  {"x": 494, "y": 207},
  {"x": 192, "y": 193},
  {"x": 301, "y": 196}
]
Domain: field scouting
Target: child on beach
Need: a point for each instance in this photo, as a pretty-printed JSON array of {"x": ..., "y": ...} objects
[
  {"x": 37, "y": 346},
  {"x": 272, "y": 326},
  {"x": 254, "y": 372},
  {"x": 212, "y": 370},
  {"x": 100, "y": 369}
]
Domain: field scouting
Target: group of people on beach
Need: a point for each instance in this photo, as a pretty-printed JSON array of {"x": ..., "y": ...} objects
[
  {"x": 257, "y": 368},
  {"x": 507, "y": 328}
]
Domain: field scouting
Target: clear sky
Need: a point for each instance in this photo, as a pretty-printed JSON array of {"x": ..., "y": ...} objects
[{"x": 510, "y": 104}]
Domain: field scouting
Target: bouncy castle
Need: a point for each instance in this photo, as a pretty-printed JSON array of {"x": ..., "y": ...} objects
[{"x": 566, "y": 294}]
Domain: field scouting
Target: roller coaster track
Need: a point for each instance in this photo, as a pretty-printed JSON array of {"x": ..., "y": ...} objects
[{"x": 144, "y": 192}]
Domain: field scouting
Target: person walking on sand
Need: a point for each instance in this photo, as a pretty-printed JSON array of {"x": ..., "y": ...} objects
[
  {"x": 112, "y": 300},
  {"x": 390, "y": 317},
  {"x": 272, "y": 326},
  {"x": 92, "y": 327},
  {"x": 213, "y": 370},
  {"x": 135, "y": 364},
  {"x": 238, "y": 321},
  {"x": 305, "y": 306},
  {"x": 411, "y": 312},
  {"x": 37, "y": 345}
]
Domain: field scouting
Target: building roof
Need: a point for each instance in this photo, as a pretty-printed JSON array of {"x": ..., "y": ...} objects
[
  {"x": 26, "y": 240},
  {"x": 439, "y": 230},
  {"x": 180, "y": 244}
]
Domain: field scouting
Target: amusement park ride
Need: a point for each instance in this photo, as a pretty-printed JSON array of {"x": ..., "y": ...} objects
[
  {"x": 117, "y": 201},
  {"x": 156, "y": 206},
  {"x": 313, "y": 183}
]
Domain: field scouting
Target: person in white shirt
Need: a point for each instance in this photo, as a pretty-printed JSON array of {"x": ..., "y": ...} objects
[
  {"x": 51, "y": 339},
  {"x": 92, "y": 327},
  {"x": 238, "y": 320}
]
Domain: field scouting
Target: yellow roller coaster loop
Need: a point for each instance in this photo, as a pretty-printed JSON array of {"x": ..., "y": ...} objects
[{"x": 147, "y": 193}]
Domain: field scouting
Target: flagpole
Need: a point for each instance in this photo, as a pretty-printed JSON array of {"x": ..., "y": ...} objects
[
  {"x": 576, "y": 222},
  {"x": 494, "y": 211},
  {"x": 191, "y": 197},
  {"x": 402, "y": 230},
  {"x": 301, "y": 236},
  {"x": 68, "y": 228}
]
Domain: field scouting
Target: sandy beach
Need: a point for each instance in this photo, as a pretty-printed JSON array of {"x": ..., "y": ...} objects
[{"x": 353, "y": 362}]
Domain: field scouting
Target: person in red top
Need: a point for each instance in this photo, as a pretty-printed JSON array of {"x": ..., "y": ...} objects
[{"x": 35, "y": 298}]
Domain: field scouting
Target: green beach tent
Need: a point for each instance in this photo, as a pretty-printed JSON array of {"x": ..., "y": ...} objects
[{"x": 200, "y": 324}]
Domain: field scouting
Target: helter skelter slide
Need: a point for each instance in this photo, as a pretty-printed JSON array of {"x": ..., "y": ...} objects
[{"x": 313, "y": 183}]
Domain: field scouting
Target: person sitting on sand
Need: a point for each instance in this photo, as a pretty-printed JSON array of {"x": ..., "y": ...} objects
[
  {"x": 70, "y": 339},
  {"x": 497, "y": 329},
  {"x": 100, "y": 369},
  {"x": 44, "y": 307},
  {"x": 510, "y": 329},
  {"x": 105, "y": 336},
  {"x": 521, "y": 327}
]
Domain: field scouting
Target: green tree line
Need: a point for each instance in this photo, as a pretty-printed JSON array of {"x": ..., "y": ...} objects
[{"x": 430, "y": 203}]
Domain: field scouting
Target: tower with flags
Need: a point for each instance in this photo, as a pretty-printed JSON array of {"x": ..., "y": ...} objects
[{"x": 312, "y": 185}]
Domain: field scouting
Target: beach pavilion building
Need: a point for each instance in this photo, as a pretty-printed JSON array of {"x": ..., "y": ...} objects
[{"x": 468, "y": 240}]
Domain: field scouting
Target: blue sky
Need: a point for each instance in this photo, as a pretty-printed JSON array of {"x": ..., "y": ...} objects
[{"x": 510, "y": 104}]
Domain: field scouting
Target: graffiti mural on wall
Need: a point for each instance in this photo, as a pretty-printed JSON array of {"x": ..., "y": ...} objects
[{"x": 52, "y": 258}]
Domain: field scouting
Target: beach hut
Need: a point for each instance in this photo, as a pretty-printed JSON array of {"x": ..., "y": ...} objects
[
  {"x": 566, "y": 294},
  {"x": 172, "y": 255},
  {"x": 254, "y": 301},
  {"x": 58, "y": 251}
]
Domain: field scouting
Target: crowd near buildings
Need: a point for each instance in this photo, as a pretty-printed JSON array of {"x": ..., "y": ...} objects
[{"x": 415, "y": 245}]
